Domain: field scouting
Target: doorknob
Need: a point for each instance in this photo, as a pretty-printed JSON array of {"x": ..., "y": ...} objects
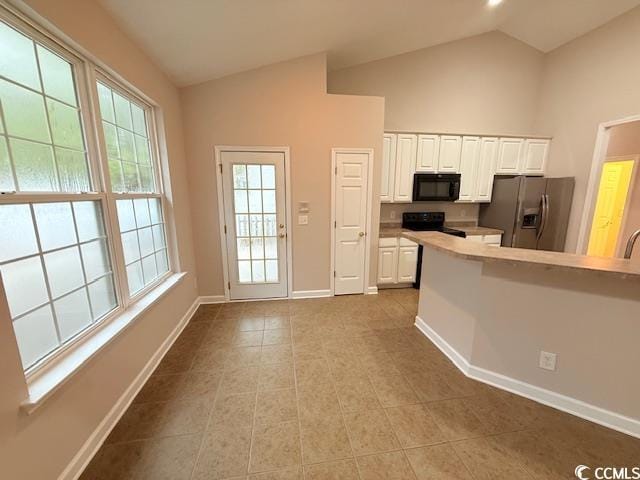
[
  {"x": 282, "y": 225},
  {"x": 361, "y": 234}
]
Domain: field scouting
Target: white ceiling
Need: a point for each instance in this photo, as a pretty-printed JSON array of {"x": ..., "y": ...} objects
[{"x": 197, "y": 40}]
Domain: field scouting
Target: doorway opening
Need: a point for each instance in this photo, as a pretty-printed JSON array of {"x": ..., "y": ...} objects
[{"x": 612, "y": 204}]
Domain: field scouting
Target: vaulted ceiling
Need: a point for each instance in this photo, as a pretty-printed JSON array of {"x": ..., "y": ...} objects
[{"x": 197, "y": 40}]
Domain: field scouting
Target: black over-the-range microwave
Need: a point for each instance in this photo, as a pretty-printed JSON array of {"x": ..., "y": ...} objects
[{"x": 439, "y": 187}]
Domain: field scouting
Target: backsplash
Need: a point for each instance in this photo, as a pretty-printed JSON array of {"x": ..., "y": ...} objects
[{"x": 454, "y": 212}]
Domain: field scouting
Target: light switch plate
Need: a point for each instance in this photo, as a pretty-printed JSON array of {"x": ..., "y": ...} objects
[{"x": 303, "y": 220}]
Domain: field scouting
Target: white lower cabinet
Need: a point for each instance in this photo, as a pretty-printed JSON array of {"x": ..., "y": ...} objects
[{"x": 397, "y": 261}]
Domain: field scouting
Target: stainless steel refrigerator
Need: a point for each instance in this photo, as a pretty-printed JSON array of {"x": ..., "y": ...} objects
[{"x": 532, "y": 211}]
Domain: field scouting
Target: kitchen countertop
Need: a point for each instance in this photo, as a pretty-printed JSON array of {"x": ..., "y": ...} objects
[
  {"x": 390, "y": 230},
  {"x": 616, "y": 267}
]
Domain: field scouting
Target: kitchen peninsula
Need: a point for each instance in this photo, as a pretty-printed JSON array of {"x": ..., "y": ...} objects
[{"x": 537, "y": 323}]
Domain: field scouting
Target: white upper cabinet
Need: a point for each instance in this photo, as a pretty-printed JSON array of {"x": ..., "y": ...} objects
[
  {"x": 428, "y": 151},
  {"x": 486, "y": 168},
  {"x": 469, "y": 168},
  {"x": 387, "y": 183},
  {"x": 534, "y": 159},
  {"x": 509, "y": 155},
  {"x": 449, "y": 158},
  {"x": 406, "y": 153}
]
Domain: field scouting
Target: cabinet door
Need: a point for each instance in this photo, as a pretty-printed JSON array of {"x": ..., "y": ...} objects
[
  {"x": 509, "y": 155},
  {"x": 535, "y": 156},
  {"x": 388, "y": 167},
  {"x": 406, "y": 152},
  {"x": 486, "y": 168},
  {"x": 469, "y": 168},
  {"x": 449, "y": 158},
  {"x": 387, "y": 265},
  {"x": 407, "y": 264},
  {"x": 428, "y": 150}
]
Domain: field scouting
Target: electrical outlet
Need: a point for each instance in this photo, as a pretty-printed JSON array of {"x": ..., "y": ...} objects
[
  {"x": 547, "y": 360},
  {"x": 392, "y": 214}
]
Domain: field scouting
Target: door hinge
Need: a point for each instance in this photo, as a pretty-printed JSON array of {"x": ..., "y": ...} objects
[
  {"x": 336, "y": 170},
  {"x": 225, "y": 229},
  {"x": 335, "y": 224},
  {"x": 229, "y": 285},
  {"x": 334, "y": 274},
  {"x": 220, "y": 168}
]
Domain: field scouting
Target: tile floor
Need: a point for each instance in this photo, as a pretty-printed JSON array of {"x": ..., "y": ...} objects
[{"x": 336, "y": 389}]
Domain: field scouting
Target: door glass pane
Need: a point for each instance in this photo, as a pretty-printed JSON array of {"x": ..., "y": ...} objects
[
  {"x": 271, "y": 247},
  {"x": 239, "y": 176},
  {"x": 257, "y": 248},
  {"x": 269, "y": 201},
  {"x": 55, "y": 225},
  {"x": 254, "y": 176},
  {"x": 242, "y": 225},
  {"x": 17, "y": 57},
  {"x": 36, "y": 335},
  {"x": 64, "y": 271},
  {"x": 243, "y": 248},
  {"x": 255, "y": 224},
  {"x": 240, "y": 201},
  {"x": 270, "y": 227},
  {"x": 255, "y": 201},
  {"x": 102, "y": 297},
  {"x": 257, "y": 271},
  {"x": 24, "y": 285},
  {"x": 271, "y": 270},
  {"x": 17, "y": 235},
  {"x": 268, "y": 176},
  {"x": 244, "y": 271},
  {"x": 73, "y": 313}
]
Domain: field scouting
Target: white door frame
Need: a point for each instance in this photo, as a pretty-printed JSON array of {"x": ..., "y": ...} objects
[
  {"x": 218, "y": 150},
  {"x": 367, "y": 247},
  {"x": 599, "y": 158}
]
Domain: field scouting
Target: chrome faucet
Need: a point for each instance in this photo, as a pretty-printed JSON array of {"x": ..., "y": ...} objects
[{"x": 630, "y": 243}]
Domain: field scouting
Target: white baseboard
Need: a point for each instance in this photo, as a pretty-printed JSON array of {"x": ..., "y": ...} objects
[
  {"x": 372, "y": 290},
  {"x": 310, "y": 293},
  {"x": 207, "y": 299},
  {"x": 96, "y": 439},
  {"x": 606, "y": 418}
]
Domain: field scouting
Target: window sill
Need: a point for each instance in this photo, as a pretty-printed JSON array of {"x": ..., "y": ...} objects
[{"x": 44, "y": 385}]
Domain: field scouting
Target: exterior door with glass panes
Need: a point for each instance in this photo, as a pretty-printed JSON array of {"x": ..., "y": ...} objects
[{"x": 254, "y": 203}]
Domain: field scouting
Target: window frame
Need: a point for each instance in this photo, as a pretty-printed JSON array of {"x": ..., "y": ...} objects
[{"x": 86, "y": 72}]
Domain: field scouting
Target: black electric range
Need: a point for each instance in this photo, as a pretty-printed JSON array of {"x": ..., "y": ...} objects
[{"x": 426, "y": 222}]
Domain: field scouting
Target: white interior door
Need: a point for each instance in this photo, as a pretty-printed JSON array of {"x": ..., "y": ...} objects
[
  {"x": 350, "y": 203},
  {"x": 255, "y": 214}
]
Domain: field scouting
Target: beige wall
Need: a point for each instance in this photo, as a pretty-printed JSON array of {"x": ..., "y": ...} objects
[
  {"x": 483, "y": 84},
  {"x": 39, "y": 446},
  {"x": 280, "y": 105},
  {"x": 590, "y": 80}
]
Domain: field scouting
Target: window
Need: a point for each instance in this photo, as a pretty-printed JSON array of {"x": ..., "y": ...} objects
[{"x": 81, "y": 214}]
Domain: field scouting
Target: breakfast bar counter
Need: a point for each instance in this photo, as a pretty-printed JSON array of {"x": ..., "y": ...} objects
[{"x": 535, "y": 323}]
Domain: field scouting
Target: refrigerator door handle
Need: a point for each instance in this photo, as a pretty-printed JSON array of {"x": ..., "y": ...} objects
[{"x": 545, "y": 214}]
